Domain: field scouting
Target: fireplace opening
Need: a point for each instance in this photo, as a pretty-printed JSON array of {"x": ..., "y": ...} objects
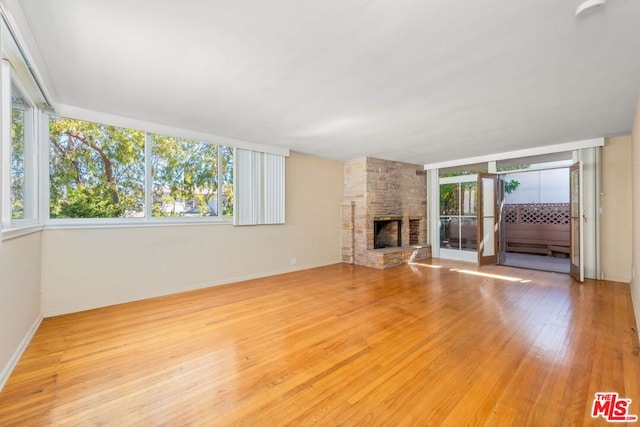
[
  {"x": 387, "y": 233},
  {"x": 414, "y": 231}
]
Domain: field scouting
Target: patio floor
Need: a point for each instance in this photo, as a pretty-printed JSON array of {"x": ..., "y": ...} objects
[{"x": 537, "y": 262}]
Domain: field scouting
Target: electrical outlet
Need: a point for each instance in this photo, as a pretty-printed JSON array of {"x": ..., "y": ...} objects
[{"x": 294, "y": 261}]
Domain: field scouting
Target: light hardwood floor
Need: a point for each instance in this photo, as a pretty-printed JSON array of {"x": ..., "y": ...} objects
[{"x": 427, "y": 344}]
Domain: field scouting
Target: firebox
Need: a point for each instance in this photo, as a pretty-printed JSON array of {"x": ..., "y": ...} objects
[{"x": 387, "y": 232}]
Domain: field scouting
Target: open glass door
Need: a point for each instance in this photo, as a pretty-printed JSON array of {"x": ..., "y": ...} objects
[
  {"x": 575, "y": 223},
  {"x": 490, "y": 196},
  {"x": 502, "y": 236}
]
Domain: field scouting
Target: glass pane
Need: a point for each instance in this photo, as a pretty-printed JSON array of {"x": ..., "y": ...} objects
[
  {"x": 96, "y": 170},
  {"x": 469, "y": 234},
  {"x": 575, "y": 241},
  {"x": 17, "y": 162},
  {"x": 469, "y": 198},
  {"x": 449, "y": 199},
  {"x": 227, "y": 180},
  {"x": 488, "y": 197},
  {"x": 449, "y": 232},
  {"x": 575, "y": 193},
  {"x": 488, "y": 240},
  {"x": 543, "y": 161},
  {"x": 458, "y": 216},
  {"x": 185, "y": 177},
  {"x": 463, "y": 170}
]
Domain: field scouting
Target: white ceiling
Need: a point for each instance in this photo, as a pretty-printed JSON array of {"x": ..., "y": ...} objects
[{"x": 422, "y": 81}]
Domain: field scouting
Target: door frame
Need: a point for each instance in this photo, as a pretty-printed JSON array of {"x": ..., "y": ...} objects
[
  {"x": 490, "y": 211},
  {"x": 576, "y": 217},
  {"x": 459, "y": 254}
]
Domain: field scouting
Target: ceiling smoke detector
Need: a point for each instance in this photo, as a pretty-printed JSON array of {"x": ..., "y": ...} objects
[{"x": 589, "y": 5}]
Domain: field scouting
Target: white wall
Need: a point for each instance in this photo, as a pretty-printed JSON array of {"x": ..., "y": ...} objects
[
  {"x": 635, "y": 225},
  {"x": 616, "y": 202},
  {"x": 93, "y": 267},
  {"x": 19, "y": 298}
]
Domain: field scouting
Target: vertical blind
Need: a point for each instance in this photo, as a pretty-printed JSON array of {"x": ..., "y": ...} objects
[{"x": 259, "y": 188}]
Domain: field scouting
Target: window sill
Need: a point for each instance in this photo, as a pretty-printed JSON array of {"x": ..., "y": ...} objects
[
  {"x": 132, "y": 223},
  {"x": 12, "y": 233}
]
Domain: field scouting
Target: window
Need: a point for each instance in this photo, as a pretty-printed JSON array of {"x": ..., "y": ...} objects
[
  {"x": 458, "y": 215},
  {"x": 95, "y": 170},
  {"x": 21, "y": 182},
  {"x": 191, "y": 178},
  {"x": 544, "y": 161},
  {"x": 98, "y": 171},
  {"x": 19, "y": 155},
  {"x": 463, "y": 170},
  {"x": 17, "y": 159}
]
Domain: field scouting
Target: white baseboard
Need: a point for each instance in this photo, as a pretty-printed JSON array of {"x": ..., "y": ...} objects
[{"x": 10, "y": 366}]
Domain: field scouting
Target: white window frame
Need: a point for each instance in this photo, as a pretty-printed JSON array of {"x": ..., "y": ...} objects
[
  {"x": 12, "y": 227},
  {"x": 16, "y": 72},
  {"x": 5, "y": 144},
  {"x": 149, "y": 186},
  {"x": 458, "y": 254},
  {"x": 585, "y": 151},
  {"x": 147, "y": 219},
  {"x": 33, "y": 90}
]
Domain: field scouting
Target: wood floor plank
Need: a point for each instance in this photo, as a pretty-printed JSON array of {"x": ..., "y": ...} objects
[{"x": 432, "y": 343}]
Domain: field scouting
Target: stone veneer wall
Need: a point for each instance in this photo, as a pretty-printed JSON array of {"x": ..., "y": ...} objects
[{"x": 380, "y": 188}]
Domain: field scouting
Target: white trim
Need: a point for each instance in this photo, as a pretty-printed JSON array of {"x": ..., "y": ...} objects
[
  {"x": 15, "y": 19},
  {"x": 433, "y": 206},
  {"x": 115, "y": 120},
  {"x": 30, "y": 157},
  {"x": 13, "y": 52},
  {"x": 54, "y": 224},
  {"x": 492, "y": 167},
  {"x": 582, "y": 220},
  {"x": 43, "y": 166},
  {"x": 548, "y": 149},
  {"x": 597, "y": 212},
  {"x": 219, "y": 210},
  {"x": 31, "y": 165},
  {"x": 3, "y": 131},
  {"x": 12, "y": 233},
  {"x": 537, "y": 168},
  {"x": 459, "y": 179},
  {"x": 460, "y": 255},
  {"x": 5, "y": 143},
  {"x": 148, "y": 176},
  {"x": 15, "y": 358},
  {"x": 590, "y": 200},
  {"x": 97, "y": 223}
]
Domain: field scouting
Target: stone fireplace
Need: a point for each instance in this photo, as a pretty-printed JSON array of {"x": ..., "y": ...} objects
[{"x": 384, "y": 213}]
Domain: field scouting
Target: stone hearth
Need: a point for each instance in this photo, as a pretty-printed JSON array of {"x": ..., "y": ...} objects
[{"x": 383, "y": 190}]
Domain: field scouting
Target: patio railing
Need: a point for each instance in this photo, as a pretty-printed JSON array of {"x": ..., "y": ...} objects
[{"x": 540, "y": 228}]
